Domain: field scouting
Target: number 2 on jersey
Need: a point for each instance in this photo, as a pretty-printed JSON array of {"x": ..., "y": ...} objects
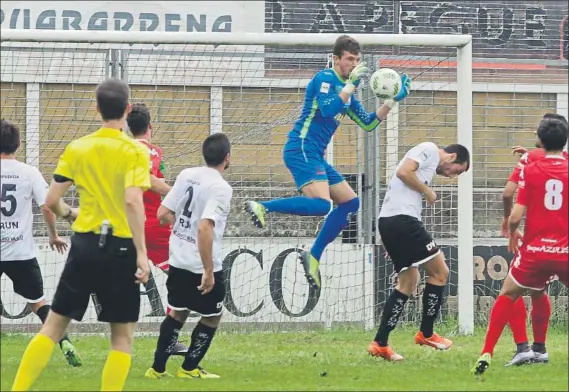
[
  {"x": 186, "y": 212},
  {"x": 8, "y": 198},
  {"x": 553, "y": 195}
]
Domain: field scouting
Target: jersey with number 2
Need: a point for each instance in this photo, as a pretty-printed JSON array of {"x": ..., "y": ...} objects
[
  {"x": 198, "y": 193},
  {"x": 20, "y": 184},
  {"x": 543, "y": 188}
]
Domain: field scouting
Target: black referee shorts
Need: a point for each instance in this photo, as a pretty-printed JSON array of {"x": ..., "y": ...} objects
[
  {"x": 107, "y": 272},
  {"x": 406, "y": 241}
]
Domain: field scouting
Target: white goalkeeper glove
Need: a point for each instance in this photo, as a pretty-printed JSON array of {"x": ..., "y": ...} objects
[{"x": 354, "y": 79}]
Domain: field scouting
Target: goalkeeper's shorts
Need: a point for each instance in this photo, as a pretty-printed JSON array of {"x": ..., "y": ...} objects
[
  {"x": 158, "y": 244},
  {"x": 308, "y": 166}
]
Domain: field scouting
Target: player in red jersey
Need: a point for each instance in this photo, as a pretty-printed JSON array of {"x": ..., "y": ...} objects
[
  {"x": 157, "y": 234},
  {"x": 544, "y": 253},
  {"x": 541, "y": 307}
]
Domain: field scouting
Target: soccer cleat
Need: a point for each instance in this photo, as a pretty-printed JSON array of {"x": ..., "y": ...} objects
[
  {"x": 180, "y": 349},
  {"x": 436, "y": 341},
  {"x": 196, "y": 373},
  {"x": 151, "y": 373},
  {"x": 71, "y": 354},
  {"x": 522, "y": 357},
  {"x": 257, "y": 212},
  {"x": 540, "y": 357},
  {"x": 386, "y": 352},
  {"x": 311, "y": 270},
  {"x": 482, "y": 364}
]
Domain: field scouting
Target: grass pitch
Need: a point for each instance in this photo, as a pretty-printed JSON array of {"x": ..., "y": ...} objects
[{"x": 326, "y": 360}]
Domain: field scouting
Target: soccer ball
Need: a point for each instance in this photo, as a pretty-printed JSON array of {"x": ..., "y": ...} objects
[{"x": 385, "y": 83}]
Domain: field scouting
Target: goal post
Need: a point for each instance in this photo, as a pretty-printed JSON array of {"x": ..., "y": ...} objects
[{"x": 251, "y": 85}]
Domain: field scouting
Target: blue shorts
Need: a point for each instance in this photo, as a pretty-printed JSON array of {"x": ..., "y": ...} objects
[{"x": 307, "y": 166}]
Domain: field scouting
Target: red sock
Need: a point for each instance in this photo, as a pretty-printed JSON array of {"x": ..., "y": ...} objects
[
  {"x": 540, "y": 313},
  {"x": 518, "y": 321},
  {"x": 499, "y": 316},
  {"x": 168, "y": 310}
]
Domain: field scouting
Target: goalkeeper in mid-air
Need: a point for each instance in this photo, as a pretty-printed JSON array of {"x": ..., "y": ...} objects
[{"x": 329, "y": 97}]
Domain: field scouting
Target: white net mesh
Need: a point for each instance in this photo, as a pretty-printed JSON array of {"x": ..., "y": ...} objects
[{"x": 253, "y": 93}]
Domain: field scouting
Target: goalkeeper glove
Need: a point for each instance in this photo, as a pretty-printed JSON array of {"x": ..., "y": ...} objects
[
  {"x": 354, "y": 79},
  {"x": 405, "y": 88}
]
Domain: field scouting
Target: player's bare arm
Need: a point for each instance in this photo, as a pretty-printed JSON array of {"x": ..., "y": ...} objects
[
  {"x": 55, "y": 242},
  {"x": 159, "y": 185},
  {"x": 513, "y": 223},
  {"x": 508, "y": 202},
  {"x": 166, "y": 215},
  {"x": 54, "y": 200},
  {"x": 205, "y": 247},
  {"x": 406, "y": 173}
]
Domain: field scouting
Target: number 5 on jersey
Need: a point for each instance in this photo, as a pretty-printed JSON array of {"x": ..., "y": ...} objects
[{"x": 8, "y": 191}]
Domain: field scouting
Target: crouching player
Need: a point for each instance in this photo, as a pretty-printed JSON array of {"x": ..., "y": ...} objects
[
  {"x": 157, "y": 235},
  {"x": 544, "y": 252}
]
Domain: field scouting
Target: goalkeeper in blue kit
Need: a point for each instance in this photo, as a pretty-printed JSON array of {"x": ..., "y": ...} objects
[{"x": 329, "y": 96}]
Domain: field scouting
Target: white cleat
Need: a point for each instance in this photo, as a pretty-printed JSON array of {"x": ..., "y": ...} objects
[
  {"x": 521, "y": 358},
  {"x": 541, "y": 357}
]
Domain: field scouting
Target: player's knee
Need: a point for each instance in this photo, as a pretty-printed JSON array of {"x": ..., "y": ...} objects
[
  {"x": 437, "y": 270},
  {"x": 352, "y": 206}
]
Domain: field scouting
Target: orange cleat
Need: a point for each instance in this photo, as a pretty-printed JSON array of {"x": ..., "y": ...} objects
[
  {"x": 386, "y": 352},
  {"x": 436, "y": 341}
]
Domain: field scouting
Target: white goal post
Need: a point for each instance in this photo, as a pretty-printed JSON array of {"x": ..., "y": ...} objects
[{"x": 462, "y": 86}]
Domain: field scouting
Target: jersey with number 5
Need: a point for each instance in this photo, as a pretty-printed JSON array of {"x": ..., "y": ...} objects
[
  {"x": 543, "y": 189},
  {"x": 198, "y": 193},
  {"x": 20, "y": 184}
]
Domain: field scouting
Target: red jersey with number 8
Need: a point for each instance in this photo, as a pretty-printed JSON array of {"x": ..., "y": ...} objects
[{"x": 543, "y": 189}]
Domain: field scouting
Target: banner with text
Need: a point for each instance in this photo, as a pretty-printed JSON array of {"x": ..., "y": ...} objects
[
  {"x": 181, "y": 64},
  {"x": 264, "y": 280}
]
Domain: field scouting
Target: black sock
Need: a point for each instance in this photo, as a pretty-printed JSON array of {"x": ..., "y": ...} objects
[
  {"x": 432, "y": 300},
  {"x": 538, "y": 348},
  {"x": 522, "y": 347},
  {"x": 391, "y": 312},
  {"x": 169, "y": 333},
  {"x": 202, "y": 336},
  {"x": 42, "y": 314}
]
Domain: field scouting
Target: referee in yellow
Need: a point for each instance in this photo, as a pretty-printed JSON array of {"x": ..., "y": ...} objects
[{"x": 108, "y": 253}]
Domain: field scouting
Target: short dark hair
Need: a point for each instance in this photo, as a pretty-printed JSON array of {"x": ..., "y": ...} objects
[
  {"x": 552, "y": 133},
  {"x": 462, "y": 154},
  {"x": 112, "y": 99},
  {"x": 555, "y": 116},
  {"x": 10, "y": 139},
  {"x": 345, "y": 43},
  {"x": 138, "y": 119},
  {"x": 215, "y": 148}
]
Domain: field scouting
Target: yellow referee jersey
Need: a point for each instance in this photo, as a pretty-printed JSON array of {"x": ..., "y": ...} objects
[{"x": 102, "y": 165}]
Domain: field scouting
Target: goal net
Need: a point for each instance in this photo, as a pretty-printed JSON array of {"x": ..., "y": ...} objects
[{"x": 251, "y": 87}]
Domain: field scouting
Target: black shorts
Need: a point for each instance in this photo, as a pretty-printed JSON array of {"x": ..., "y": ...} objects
[
  {"x": 26, "y": 278},
  {"x": 406, "y": 241},
  {"x": 107, "y": 272},
  {"x": 183, "y": 293}
]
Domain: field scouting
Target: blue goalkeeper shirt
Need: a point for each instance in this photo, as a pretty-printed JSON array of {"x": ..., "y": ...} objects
[{"x": 322, "y": 111}]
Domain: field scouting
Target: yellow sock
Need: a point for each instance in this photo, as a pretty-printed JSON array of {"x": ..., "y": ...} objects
[
  {"x": 33, "y": 362},
  {"x": 115, "y": 371}
]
